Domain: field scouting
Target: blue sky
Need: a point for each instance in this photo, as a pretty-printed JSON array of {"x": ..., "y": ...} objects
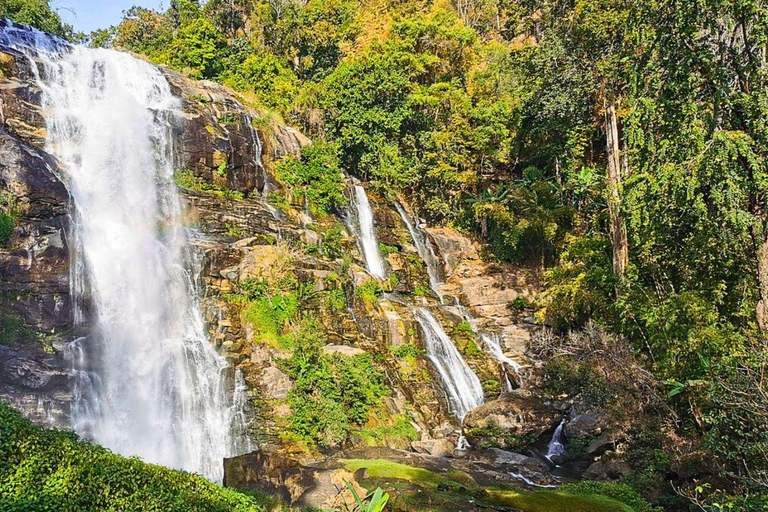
[{"x": 88, "y": 15}]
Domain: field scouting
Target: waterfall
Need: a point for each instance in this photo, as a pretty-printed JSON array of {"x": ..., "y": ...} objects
[
  {"x": 462, "y": 385},
  {"x": 425, "y": 249},
  {"x": 494, "y": 347},
  {"x": 148, "y": 382},
  {"x": 373, "y": 260},
  {"x": 556, "y": 446}
]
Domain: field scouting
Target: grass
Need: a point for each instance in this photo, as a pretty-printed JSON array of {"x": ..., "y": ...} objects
[{"x": 380, "y": 470}]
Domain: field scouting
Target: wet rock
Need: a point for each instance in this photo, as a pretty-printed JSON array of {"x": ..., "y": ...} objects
[
  {"x": 434, "y": 447},
  {"x": 585, "y": 425}
]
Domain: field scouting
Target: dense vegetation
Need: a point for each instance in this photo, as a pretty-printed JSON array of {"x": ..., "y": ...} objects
[
  {"x": 620, "y": 145},
  {"x": 52, "y": 470}
]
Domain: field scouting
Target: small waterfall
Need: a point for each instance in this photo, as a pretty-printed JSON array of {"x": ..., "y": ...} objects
[
  {"x": 462, "y": 385},
  {"x": 425, "y": 249},
  {"x": 373, "y": 260},
  {"x": 556, "y": 447},
  {"x": 491, "y": 341},
  {"x": 147, "y": 381}
]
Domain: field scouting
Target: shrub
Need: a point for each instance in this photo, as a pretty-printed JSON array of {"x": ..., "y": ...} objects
[
  {"x": 54, "y": 470},
  {"x": 369, "y": 291},
  {"x": 316, "y": 177},
  {"x": 331, "y": 393},
  {"x": 7, "y": 225}
]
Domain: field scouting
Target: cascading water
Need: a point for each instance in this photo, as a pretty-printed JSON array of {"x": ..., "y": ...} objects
[
  {"x": 556, "y": 447},
  {"x": 373, "y": 260},
  {"x": 494, "y": 347},
  {"x": 148, "y": 381},
  {"x": 462, "y": 385},
  {"x": 425, "y": 249}
]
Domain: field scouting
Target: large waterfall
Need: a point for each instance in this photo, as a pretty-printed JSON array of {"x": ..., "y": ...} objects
[
  {"x": 150, "y": 382},
  {"x": 368, "y": 240},
  {"x": 465, "y": 392}
]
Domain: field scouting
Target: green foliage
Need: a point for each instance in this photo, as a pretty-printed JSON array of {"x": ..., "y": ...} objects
[
  {"x": 408, "y": 351},
  {"x": 12, "y": 329},
  {"x": 316, "y": 177},
  {"x": 332, "y": 238},
  {"x": 337, "y": 299},
  {"x": 332, "y": 393},
  {"x": 54, "y": 470},
  {"x": 198, "y": 48},
  {"x": 369, "y": 291},
  {"x": 7, "y": 225},
  {"x": 383, "y": 435},
  {"x": 568, "y": 377},
  {"x": 188, "y": 181},
  {"x": 37, "y": 13},
  {"x": 274, "y": 84},
  {"x": 373, "y": 502}
]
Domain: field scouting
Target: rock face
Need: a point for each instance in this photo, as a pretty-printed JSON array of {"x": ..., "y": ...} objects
[
  {"x": 218, "y": 140},
  {"x": 35, "y": 302},
  {"x": 489, "y": 291},
  {"x": 513, "y": 421}
]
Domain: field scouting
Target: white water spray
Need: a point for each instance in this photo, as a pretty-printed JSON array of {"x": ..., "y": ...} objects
[
  {"x": 425, "y": 249},
  {"x": 373, "y": 260},
  {"x": 465, "y": 392},
  {"x": 556, "y": 446},
  {"x": 491, "y": 341},
  {"x": 148, "y": 381}
]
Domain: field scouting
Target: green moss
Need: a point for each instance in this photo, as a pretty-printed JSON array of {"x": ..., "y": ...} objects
[
  {"x": 54, "y": 470},
  {"x": 576, "y": 498},
  {"x": 386, "y": 469},
  {"x": 557, "y": 501}
]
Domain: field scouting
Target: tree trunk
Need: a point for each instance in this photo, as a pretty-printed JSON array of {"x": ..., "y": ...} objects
[
  {"x": 762, "y": 280},
  {"x": 615, "y": 165}
]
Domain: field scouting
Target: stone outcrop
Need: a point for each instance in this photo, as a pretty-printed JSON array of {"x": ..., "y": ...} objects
[{"x": 514, "y": 421}]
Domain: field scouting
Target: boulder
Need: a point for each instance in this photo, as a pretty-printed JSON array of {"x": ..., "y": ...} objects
[
  {"x": 605, "y": 442},
  {"x": 585, "y": 424},
  {"x": 434, "y": 447},
  {"x": 512, "y": 421},
  {"x": 611, "y": 469}
]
